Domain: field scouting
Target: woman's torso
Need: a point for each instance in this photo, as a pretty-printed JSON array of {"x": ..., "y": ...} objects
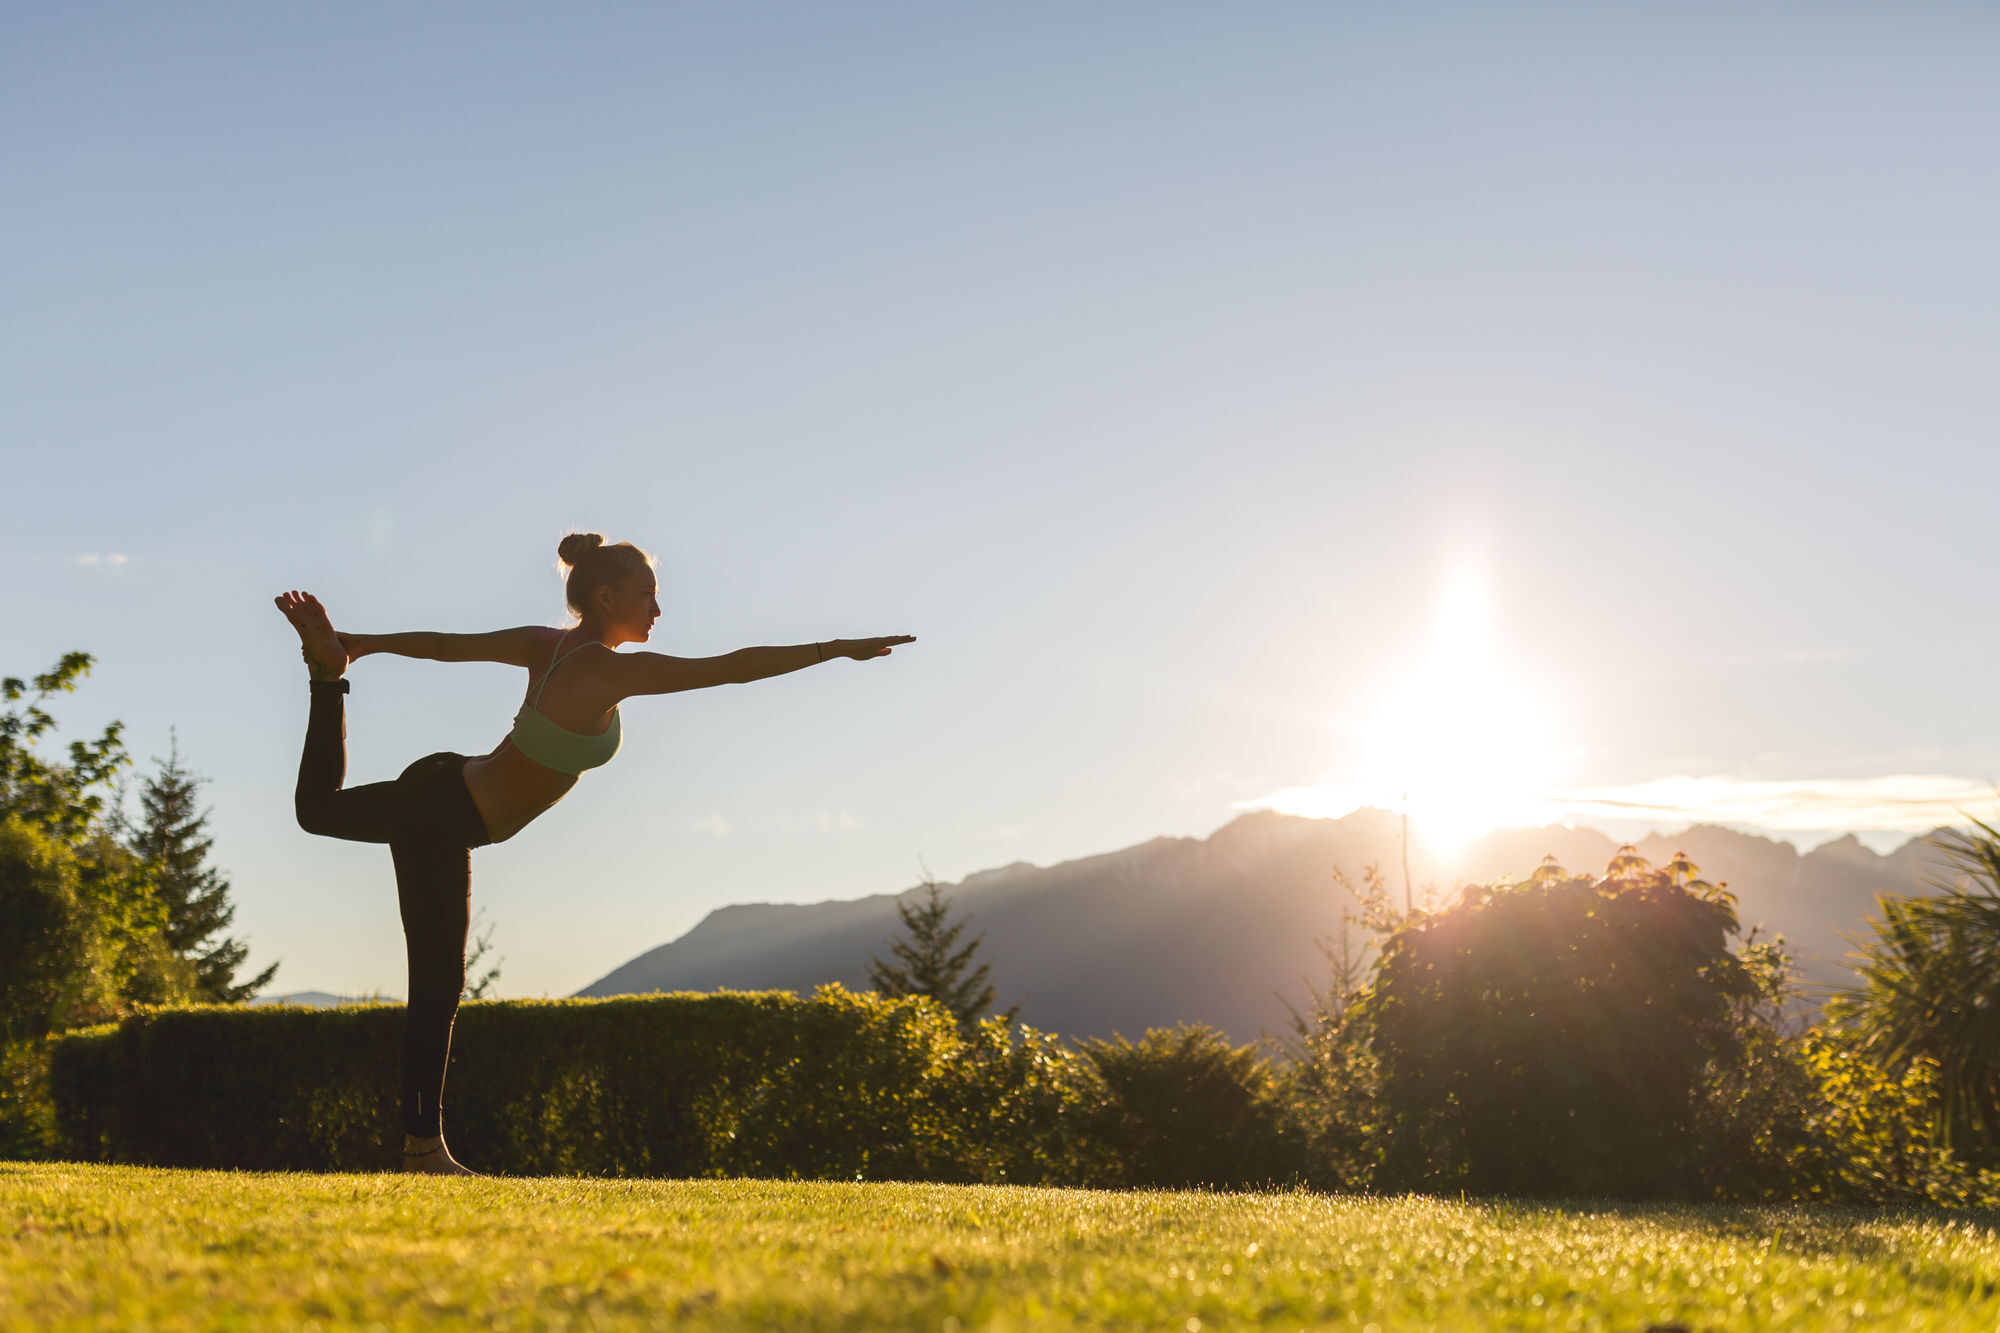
[{"x": 509, "y": 788}]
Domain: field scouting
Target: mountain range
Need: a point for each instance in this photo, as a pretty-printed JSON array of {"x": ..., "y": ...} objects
[
  {"x": 1224, "y": 929},
  {"x": 319, "y": 999}
]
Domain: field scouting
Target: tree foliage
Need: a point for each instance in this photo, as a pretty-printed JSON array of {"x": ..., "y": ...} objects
[
  {"x": 1930, "y": 991},
  {"x": 1551, "y": 1037},
  {"x": 930, "y": 961},
  {"x": 1332, "y": 1078},
  {"x": 67, "y": 799},
  {"x": 1569, "y": 1000},
  {"x": 50, "y": 951},
  {"x": 81, "y": 920},
  {"x": 480, "y": 980},
  {"x": 171, "y": 839},
  {"x": 83, "y": 924}
]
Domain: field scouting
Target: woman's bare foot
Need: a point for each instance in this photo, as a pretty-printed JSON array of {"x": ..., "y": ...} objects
[
  {"x": 326, "y": 655},
  {"x": 430, "y": 1157}
]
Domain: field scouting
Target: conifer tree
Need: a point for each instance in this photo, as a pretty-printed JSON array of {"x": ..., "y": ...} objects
[
  {"x": 171, "y": 838},
  {"x": 929, "y": 963},
  {"x": 479, "y": 985}
]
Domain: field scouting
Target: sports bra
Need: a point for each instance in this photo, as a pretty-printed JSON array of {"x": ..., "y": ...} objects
[{"x": 557, "y": 747}]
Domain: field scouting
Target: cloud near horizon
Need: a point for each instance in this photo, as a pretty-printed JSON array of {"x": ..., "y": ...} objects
[{"x": 1900, "y": 803}]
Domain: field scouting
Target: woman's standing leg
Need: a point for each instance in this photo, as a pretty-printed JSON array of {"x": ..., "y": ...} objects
[{"x": 434, "y": 890}]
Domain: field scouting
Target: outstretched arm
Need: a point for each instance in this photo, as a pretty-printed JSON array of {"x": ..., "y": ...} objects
[
  {"x": 516, "y": 647},
  {"x": 656, "y": 673}
]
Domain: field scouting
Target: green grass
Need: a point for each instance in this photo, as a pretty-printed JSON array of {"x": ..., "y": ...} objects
[{"x": 121, "y": 1247}]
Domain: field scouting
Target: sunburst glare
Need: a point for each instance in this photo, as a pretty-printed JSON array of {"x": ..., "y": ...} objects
[{"x": 1457, "y": 744}]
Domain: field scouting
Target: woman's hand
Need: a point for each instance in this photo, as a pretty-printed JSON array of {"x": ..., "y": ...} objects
[{"x": 863, "y": 649}]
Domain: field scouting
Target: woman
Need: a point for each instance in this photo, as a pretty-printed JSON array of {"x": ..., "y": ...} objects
[{"x": 446, "y": 804}]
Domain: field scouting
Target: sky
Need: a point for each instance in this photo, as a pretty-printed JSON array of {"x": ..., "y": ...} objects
[{"x": 1531, "y": 412}]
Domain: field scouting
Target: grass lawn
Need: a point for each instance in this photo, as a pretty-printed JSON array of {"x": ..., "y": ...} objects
[{"x": 121, "y": 1247}]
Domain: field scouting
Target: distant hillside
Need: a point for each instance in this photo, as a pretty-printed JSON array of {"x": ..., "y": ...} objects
[
  {"x": 1211, "y": 930},
  {"x": 319, "y": 999}
]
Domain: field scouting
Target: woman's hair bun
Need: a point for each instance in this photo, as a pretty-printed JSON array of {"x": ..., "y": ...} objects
[{"x": 578, "y": 545}]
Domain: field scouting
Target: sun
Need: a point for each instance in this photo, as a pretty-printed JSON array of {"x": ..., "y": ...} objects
[
  {"x": 1457, "y": 743},
  {"x": 1460, "y": 753},
  {"x": 1461, "y": 745}
]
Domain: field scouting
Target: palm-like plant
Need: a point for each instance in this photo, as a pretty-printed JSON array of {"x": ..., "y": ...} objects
[{"x": 1930, "y": 988}]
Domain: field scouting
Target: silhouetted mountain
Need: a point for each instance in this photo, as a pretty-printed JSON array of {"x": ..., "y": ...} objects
[
  {"x": 319, "y": 999},
  {"x": 1211, "y": 930}
]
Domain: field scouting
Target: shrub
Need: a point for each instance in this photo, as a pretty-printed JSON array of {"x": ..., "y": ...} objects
[
  {"x": 752, "y": 1084},
  {"x": 55, "y": 967},
  {"x": 27, "y": 1116},
  {"x": 1754, "y": 1136},
  {"x": 1930, "y": 992},
  {"x": 1182, "y": 1107},
  {"x": 1550, "y": 1038},
  {"x": 1330, "y": 1092},
  {"x": 1026, "y": 1104}
]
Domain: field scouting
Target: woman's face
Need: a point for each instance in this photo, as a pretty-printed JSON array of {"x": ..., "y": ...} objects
[{"x": 628, "y": 608}]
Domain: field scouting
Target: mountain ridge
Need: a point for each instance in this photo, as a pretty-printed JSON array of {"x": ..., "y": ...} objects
[{"x": 1223, "y": 929}]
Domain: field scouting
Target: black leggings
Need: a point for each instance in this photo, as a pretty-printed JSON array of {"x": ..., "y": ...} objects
[{"x": 431, "y": 825}]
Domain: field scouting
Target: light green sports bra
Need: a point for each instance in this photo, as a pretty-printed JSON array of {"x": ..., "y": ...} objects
[{"x": 557, "y": 747}]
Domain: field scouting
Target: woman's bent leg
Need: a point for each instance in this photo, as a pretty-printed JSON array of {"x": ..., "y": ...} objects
[
  {"x": 358, "y": 814},
  {"x": 434, "y": 889}
]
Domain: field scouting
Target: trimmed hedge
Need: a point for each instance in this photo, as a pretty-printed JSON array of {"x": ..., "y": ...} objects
[{"x": 733, "y": 1083}]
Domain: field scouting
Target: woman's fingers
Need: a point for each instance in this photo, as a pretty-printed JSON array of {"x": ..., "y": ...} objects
[{"x": 867, "y": 648}]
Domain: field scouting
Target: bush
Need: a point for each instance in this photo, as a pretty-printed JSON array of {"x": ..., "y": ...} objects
[
  {"x": 1027, "y": 1103},
  {"x": 1331, "y": 1095},
  {"x": 1930, "y": 992},
  {"x": 1551, "y": 1038},
  {"x": 1182, "y": 1107},
  {"x": 55, "y": 963},
  {"x": 79, "y": 944},
  {"x": 1755, "y": 1137},
  {"x": 27, "y": 1116},
  {"x": 751, "y": 1084}
]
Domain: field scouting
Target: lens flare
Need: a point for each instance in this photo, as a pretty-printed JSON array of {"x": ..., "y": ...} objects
[{"x": 1456, "y": 744}]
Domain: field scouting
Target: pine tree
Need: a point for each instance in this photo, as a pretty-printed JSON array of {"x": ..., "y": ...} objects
[
  {"x": 479, "y": 985},
  {"x": 171, "y": 839},
  {"x": 929, "y": 963}
]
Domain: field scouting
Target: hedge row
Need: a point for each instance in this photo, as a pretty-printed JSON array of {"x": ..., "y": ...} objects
[{"x": 839, "y": 1085}]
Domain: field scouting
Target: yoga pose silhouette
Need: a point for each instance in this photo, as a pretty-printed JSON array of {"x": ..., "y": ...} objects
[{"x": 444, "y": 805}]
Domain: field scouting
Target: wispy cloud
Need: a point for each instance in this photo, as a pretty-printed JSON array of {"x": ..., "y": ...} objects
[
  {"x": 103, "y": 560},
  {"x": 712, "y": 824},
  {"x": 1901, "y": 803},
  {"x": 1898, "y": 803}
]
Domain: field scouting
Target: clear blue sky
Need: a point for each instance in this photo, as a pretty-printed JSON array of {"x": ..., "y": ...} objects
[{"x": 1161, "y": 366}]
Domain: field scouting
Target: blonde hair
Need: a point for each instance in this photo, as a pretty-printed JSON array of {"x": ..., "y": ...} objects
[{"x": 593, "y": 565}]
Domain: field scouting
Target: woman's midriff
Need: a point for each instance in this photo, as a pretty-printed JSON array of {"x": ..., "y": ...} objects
[{"x": 510, "y": 789}]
